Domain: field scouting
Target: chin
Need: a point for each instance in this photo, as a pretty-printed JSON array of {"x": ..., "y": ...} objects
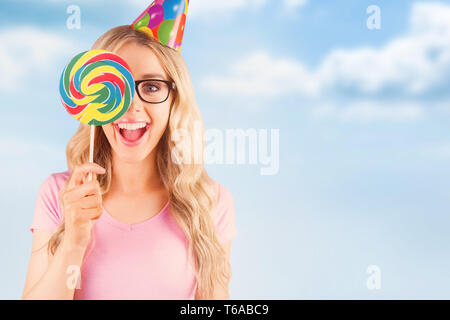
[{"x": 132, "y": 156}]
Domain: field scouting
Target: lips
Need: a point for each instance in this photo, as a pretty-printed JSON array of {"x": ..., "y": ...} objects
[{"x": 131, "y": 133}]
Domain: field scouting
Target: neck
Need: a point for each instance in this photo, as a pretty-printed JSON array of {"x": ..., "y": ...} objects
[{"x": 135, "y": 178}]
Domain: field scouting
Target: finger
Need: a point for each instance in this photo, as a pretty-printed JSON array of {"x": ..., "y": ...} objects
[
  {"x": 79, "y": 173},
  {"x": 62, "y": 192},
  {"x": 86, "y": 177},
  {"x": 90, "y": 202},
  {"x": 79, "y": 192}
]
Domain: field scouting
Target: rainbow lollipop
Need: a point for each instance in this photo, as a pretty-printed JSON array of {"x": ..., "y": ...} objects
[{"x": 96, "y": 88}]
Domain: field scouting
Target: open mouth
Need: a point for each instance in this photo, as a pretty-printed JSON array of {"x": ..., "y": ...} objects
[{"x": 132, "y": 134}]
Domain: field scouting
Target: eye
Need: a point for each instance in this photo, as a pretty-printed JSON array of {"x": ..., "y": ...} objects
[{"x": 149, "y": 87}]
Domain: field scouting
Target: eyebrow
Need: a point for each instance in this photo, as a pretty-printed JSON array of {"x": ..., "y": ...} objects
[{"x": 153, "y": 76}]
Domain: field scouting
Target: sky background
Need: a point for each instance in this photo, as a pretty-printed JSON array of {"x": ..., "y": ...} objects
[{"x": 364, "y": 145}]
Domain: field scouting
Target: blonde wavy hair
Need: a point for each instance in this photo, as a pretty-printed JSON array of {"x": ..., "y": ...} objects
[{"x": 191, "y": 192}]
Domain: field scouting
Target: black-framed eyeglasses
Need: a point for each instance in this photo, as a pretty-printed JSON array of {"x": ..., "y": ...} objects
[{"x": 154, "y": 90}]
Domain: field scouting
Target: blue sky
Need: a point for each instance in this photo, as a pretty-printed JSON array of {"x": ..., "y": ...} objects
[{"x": 363, "y": 118}]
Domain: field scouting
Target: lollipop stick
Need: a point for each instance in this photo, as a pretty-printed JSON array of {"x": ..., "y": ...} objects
[{"x": 91, "y": 150}]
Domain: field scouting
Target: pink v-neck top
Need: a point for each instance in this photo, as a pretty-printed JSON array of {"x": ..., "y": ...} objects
[{"x": 147, "y": 260}]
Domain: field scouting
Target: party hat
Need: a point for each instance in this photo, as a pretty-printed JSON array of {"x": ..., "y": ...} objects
[{"x": 164, "y": 20}]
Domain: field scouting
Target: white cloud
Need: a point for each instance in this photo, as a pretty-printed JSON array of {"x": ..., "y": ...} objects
[
  {"x": 202, "y": 7},
  {"x": 294, "y": 4},
  {"x": 209, "y": 9},
  {"x": 370, "y": 111},
  {"x": 26, "y": 50},
  {"x": 261, "y": 74},
  {"x": 412, "y": 64},
  {"x": 430, "y": 17},
  {"x": 408, "y": 67}
]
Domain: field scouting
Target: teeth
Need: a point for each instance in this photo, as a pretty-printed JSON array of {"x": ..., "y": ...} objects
[{"x": 132, "y": 126}]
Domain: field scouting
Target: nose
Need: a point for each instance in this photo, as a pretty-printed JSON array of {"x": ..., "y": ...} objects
[{"x": 136, "y": 104}]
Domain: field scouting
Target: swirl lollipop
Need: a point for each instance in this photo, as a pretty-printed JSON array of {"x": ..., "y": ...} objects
[{"x": 96, "y": 88}]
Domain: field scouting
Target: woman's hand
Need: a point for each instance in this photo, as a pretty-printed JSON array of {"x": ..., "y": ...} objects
[{"x": 82, "y": 204}]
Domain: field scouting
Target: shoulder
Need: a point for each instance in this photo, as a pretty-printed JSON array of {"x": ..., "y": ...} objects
[
  {"x": 47, "y": 213},
  {"x": 224, "y": 202},
  {"x": 224, "y": 213},
  {"x": 225, "y": 197},
  {"x": 52, "y": 185},
  {"x": 222, "y": 194},
  {"x": 55, "y": 181}
]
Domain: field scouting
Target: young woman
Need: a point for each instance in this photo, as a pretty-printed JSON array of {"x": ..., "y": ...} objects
[{"x": 151, "y": 224}]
